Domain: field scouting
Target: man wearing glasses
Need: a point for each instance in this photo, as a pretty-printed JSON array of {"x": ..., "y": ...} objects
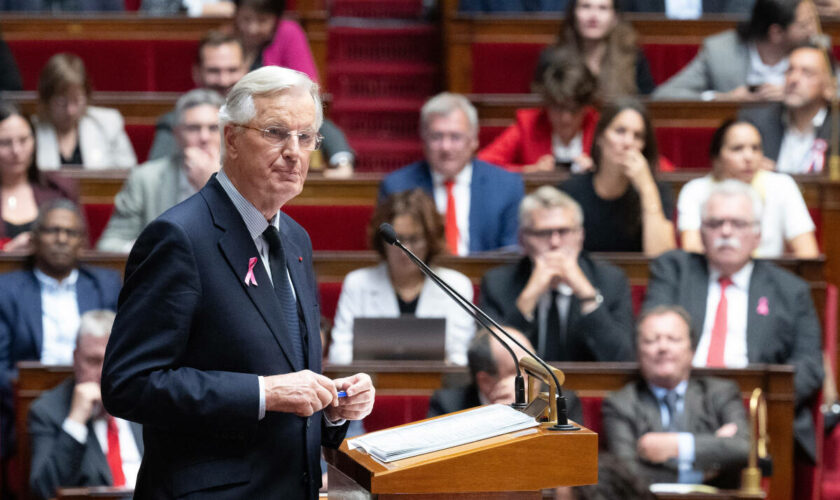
[
  {"x": 744, "y": 311},
  {"x": 41, "y": 306},
  {"x": 477, "y": 200},
  {"x": 215, "y": 348},
  {"x": 571, "y": 307},
  {"x": 158, "y": 185}
]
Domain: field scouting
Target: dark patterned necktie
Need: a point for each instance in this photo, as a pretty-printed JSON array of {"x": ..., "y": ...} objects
[{"x": 283, "y": 290}]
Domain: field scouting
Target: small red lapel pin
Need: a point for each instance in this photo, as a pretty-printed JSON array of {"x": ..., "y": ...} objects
[{"x": 300, "y": 259}]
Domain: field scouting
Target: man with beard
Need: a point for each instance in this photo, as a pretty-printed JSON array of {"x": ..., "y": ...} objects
[{"x": 743, "y": 310}]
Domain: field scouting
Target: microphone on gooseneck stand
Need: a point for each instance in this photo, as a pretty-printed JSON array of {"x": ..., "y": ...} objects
[{"x": 390, "y": 236}]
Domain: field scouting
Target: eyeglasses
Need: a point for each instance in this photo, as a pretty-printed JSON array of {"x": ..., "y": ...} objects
[
  {"x": 437, "y": 138},
  {"x": 55, "y": 231},
  {"x": 307, "y": 140},
  {"x": 412, "y": 240},
  {"x": 738, "y": 224},
  {"x": 546, "y": 234}
]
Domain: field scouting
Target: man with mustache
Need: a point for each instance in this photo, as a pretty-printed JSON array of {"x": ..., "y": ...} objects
[{"x": 743, "y": 310}]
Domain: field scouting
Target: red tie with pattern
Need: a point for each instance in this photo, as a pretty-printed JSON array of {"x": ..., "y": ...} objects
[
  {"x": 718, "y": 341},
  {"x": 451, "y": 219},
  {"x": 114, "y": 458}
]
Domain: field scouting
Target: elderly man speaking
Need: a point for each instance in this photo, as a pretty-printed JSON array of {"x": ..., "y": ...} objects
[{"x": 215, "y": 348}]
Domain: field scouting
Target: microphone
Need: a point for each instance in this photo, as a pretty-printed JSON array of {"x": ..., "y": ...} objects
[{"x": 388, "y": 234}]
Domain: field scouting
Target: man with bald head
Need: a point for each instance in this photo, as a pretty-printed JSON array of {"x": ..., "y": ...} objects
[
  {"x": 216, "y": 346},
  {"x": 795, "y": 133},
  {"x": 743, "y": 310}
]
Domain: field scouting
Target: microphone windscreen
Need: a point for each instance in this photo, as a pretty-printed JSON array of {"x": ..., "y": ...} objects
[{"x": 387, "y": 232}]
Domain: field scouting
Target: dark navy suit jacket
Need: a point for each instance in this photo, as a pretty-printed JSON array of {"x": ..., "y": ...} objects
[
  {"x": 21, "y": 325},
  {"x": 188, "y": 344},
  {"x": 494, "y": 200}
]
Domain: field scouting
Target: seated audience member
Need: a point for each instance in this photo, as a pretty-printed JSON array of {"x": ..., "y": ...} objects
[
  {"x": 40, "y": 305},
  {"x": 747, "y": 64},
  {"x": 69, "y": 131},
  {"x": 9, "y": 74},
  {"x": 606, "y": 44},
  {"x": 22, "y": 187},
  {"x": 157, "y": 185},
  {"x": 736, "y": 154},
  {"x": 270, "y": 40},
  {"x": 674, "y": 9},
  {"x": 396, "y": 286},
  {"x": 571, "y": 307},
  {"x": 559, "y": 133},
  {"x": 193, "y": 8},
  {"x": 674, "y": 427},
  {"x": 743, "y": 310},
  {"x": 492, "y": 374},
  {"x": 74, "y": 441},
  {"x": 478, "y": 200},
  {"x": 219, "y": 65},
  {"x": 62, "y": 5},
  {"x": 625, "y": 208},
  {"x": 796, "y": 132}
]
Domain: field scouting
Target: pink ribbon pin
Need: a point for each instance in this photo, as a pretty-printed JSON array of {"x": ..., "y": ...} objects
[
  {"x": 249, "y": 278},
  {"x": 762, "y": 308}
]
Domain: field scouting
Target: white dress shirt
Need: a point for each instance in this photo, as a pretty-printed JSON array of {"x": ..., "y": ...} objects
[
  {"x": 461, "y": 192},
  {"x": 129, "y": 453},
  {"x": 800, "y": 153},
  {"x": 567, "y": 152},
  {"x": 59, "y": 318},
  {"x": 737, "y": 303},
  {"x": 760, "y": 73}
]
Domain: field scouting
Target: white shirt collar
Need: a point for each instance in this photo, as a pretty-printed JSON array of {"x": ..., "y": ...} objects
[
  {"x": 659, "y": 392},
  {"x": 461, "y": 178},
  {"x": 50, "y": 283},
  {"x": 740, "y": 279}
]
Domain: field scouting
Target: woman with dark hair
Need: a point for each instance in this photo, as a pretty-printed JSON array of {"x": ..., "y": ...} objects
[
  {"x": 606, "y": 44},
  {"x": 396, "y": 286},
  {"x": 560, "y": 132},
  {"x": 786, "y": 225},
  {"x": 625, "y": 209},
  {"x": 22, "y": 190},
  {"x": 69, "y": 131},
  {"x": 270, "y": 40}
]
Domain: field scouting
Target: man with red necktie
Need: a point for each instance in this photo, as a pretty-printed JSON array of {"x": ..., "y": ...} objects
[
  {"x": 743, "y": 310},
  {"x": 74, "y": 441},
  {"x": 478, "y": 201}
]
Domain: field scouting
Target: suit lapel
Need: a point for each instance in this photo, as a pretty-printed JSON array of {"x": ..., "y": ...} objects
[
  {"x": 698, "y": 292},
  {"x": 649, "y": 407},
  {"x": 98, "y": 461},
  {"x": 759, "y": 326},
  {"x": 32, "y": 311},
  {"x": 238, "y": 248},
  {"x": 692, "y": 407},
  {"x": 478, "y": 209},
  {"x": 87, "y": 295}
]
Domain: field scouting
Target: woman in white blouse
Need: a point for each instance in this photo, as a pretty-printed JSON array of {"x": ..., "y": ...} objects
[
  {"x": 396, "y": 286},
  {"x": 786, "y": 225}
]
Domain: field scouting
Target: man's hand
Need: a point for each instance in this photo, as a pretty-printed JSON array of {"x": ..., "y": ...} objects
[
  {"x": 199, "y": 165},
  {"x": 544, "y": 164},
  {"x": 87, "y": 402},
  {"x": 359, "y": 401},
  {"x": 727, "y": 430},
  {"x": 302, "y": 393},
  {"x": 769, "y": 92},
  {"x": 741, "y": 93},
  {"x": 657, "y": 447}
]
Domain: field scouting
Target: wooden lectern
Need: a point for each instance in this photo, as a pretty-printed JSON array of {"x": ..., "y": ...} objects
[{"x": 511, "y": 466}]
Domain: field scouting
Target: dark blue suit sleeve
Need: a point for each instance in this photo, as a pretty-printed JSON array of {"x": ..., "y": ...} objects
[{"x": 144, "y": 378}]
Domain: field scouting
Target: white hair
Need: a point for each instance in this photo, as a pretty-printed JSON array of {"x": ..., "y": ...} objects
[
  {"x": 96, "y": 323},
  {"x": 269, "y": 80},
  {"x": 547, "y": 197},
  {"x": 445, "y": 103},
  {"x": 196, "y": 97},
  {"x": 731, "y": 188}
]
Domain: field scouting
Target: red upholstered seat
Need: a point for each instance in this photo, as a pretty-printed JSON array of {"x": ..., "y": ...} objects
[
  {"x": 503, "y": 68},
  {"x": 333, "y": 227},
  {"x": 686, "y": 147},
  {"x": 329, "y": 293},
  {"x": 130, "y": 65},
  {"x": 391, "y": 410},
  {"x": 96, "y": 217},
  {"x": 666, "y": 60},
  {"x": 141, "y": 137},
  {"x": 831, "y": 446}
]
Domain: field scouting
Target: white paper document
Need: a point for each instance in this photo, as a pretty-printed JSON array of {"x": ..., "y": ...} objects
[{"x": 445, "y": 432}]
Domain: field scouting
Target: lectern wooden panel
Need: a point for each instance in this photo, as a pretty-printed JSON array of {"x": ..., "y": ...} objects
[{"x": 519, "y": 464}]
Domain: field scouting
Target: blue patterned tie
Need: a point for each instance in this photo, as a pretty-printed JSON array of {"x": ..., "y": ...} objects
[
  {"x": 283, "y": 290},
  {"x": 671, "y": 400}
]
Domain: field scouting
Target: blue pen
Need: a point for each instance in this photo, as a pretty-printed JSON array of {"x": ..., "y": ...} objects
[{"x": 342, "y": 394}]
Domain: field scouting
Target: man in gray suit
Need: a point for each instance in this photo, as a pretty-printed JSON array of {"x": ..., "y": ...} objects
[
  {"x": 743, "y": 310},
  {"x": 74, "y": 442},
  {"x": 795, "y": 133},
  {"x": 748, "y": 64},
  {"x": 671, "y": 426},
  {"x": 160, "y": 184}
]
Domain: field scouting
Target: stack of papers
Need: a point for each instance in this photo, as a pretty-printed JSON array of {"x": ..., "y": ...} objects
[{"x": 445, "y": 432}]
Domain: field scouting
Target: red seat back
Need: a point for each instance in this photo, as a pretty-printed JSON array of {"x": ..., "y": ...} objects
[
  {"x": 391, "y": 410},
  {"x": 333, "y": 227},
  {"x": 96, "y": 217}
]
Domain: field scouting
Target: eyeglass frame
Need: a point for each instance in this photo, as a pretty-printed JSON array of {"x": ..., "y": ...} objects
[{"x": 319, "y": 139}]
